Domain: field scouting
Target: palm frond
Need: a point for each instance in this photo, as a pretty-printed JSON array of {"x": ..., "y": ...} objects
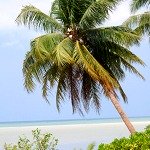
[
  {"x": 53, "y": 72},
  {"x": 90, "y": 93},
  {"x": 140, "y": 23},
  {"x": 86, "y": 91},
  {"x": 27, "y": 72},
  {"x": 121, "y": 91},
  {"x": 73, "y": 87},
  {"x": 110, "y": 55},
  {"x": 39, "y": 55},
  {"x": 42, "y": 47},
  {"x": 50, "y": 77},
  {"x": 96, "y": 13},
  {"x": 59, "y": 10},
  {"x": 61, "y": 87},
  {"x": 45, "y": 87},
  {"x": 91, "y": 66},
  {"x": 69, "y": 12},
  {"x": 63, "y": 52},
  {"x": 136, "y": 4},
  {"x": 130, "y": 68},
  {"x": 31, "y": 16},
  {"x": 124, "y": 53},
  {"x": 96, "y": 91},
  {"x": 117, "y": 34}
]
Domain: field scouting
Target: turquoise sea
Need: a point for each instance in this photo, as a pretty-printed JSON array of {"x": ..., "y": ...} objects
[{"x": 69, "y": 122}]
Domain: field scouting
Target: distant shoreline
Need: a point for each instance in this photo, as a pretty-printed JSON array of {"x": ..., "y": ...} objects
[{"x": 70, "y": 122}]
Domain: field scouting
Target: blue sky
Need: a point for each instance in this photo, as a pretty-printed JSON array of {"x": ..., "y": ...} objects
[{"x": 17, "y": 105}]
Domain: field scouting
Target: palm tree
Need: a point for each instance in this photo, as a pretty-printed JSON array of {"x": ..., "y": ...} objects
[
  {"x": 78, "y": 55},
  {"x": 140, "y": 22}
]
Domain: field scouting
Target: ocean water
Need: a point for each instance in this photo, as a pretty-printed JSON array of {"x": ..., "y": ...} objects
[{"x": 70, "y": 122}]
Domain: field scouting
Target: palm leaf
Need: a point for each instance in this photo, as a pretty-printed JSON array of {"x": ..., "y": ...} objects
[
  {"x": 90, "y": 93},
  {"x": 63, "y": 52},
  {"x": 73, "y": 87},
  {"x": 140, "y": 23},
  {"x": 69, "y": 12},
  {"x": 131, "y": 68},
  {"x": 124, "y": 53},
  {"x": 31, "y": 16},
  {"x": 42, "y": 47},
  {"x": 61, "y": 87},
  {"x": 59, "y": 10},
  {"x": 96, "y": 13},
  {"x": 40, "y": 55},
  {"x": 136, "y": 4},
  {"x": 50, "y": 77},
  {"x": 27, "y": 72},
  {"x": 91, "y": 66},
  {"x": 117, "y": 34}
]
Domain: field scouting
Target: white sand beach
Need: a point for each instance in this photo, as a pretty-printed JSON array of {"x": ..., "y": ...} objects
[{"x": 73, "y": 136}]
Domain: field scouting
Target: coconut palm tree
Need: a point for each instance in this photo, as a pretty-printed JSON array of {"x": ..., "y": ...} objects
[
  {"x": 78, "y": 55},
  {"x": 140, "y": 22}
]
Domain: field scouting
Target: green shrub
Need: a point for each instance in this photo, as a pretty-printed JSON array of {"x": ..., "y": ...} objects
[
  {"x": 148, "y": 127},
  {"x": 137, "y": 141},
  {"x": 39, "y": 142}
]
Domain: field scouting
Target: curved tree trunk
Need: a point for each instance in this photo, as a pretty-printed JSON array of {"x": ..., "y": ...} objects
[{"x": 121, "y": 112}]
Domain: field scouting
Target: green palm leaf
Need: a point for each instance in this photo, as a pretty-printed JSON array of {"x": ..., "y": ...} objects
[
  {"x": 140, "y": 23},
  {"x": 136, "y": 4},
  {"x": 43, "y": 46},
  {"x": 96, "y": 13},
  {"x": 63, "y": 52},
  {"x": 31, "y": 16},
  {"x": 91, "y": 66},
  {"x": 39, "y": 55},
  {"x": 61, "y": 87},
  {"x": 90, "y": 92},
  {"x": 117, "y": 34}
]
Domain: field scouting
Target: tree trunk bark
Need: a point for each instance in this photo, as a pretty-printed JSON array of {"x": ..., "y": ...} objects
[{"x": 121, "y": 112}]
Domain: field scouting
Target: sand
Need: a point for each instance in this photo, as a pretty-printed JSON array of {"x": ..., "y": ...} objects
[{"x": 73, "y": 136}]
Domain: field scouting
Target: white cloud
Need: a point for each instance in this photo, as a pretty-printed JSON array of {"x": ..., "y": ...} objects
[{"x": 121, "y": 13}]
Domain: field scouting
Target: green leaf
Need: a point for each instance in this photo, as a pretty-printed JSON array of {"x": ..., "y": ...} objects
[
  {"x": 96, "y": 13},
  {"x": 91, "y": 66},
  {"x": 31, "y": 16},
  {"x": 63, "y": 52},
  {"x": 117, "y": 34},
  {"x": 139, "y": 23},
  {"x": 136, "y": 4}
]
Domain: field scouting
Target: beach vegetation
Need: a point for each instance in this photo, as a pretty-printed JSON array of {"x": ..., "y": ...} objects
[
  {"x": 39, "y": 142},
  {"x": 137, "y": 141},
  {"x": 78, "y": 55},
  {"x": 147, "y": 127}
]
